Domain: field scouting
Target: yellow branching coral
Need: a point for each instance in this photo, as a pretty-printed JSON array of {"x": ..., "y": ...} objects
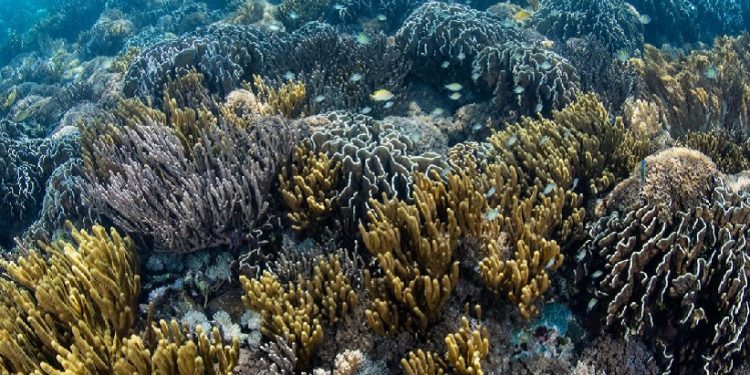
[
  {"x": 296, "y": 311},
  {"x": 70, "y": 309},
  {"x": 414, "y": 246},
  {"x": 171, "y": 349},
  {"x": 286, "y": 101},
  {"x": 702, "y": 90},
  {"x": 308, "y": 188},
  {"x": 66, "y": 307},
  {"x": 729, "y": 155},
  {"x": 466, "y": 349}
]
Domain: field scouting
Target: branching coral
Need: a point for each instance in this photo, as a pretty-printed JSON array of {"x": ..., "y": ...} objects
[
  {"x": 466, "y": 349},
  {"x": 187, "y": 179},
  {"x": 678, "y": 278},
  {"x": 414, "y": 246},
  {"x": 308, "y": 187},
  {"x": 702, "y": 91},
  {"x": 729, "y": 155},
  {"x": 296, "y": 311},
  {"x": 71, "y": 308}
]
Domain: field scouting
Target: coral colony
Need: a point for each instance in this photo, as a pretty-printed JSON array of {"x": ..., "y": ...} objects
[{"x": 367, "y": 187}]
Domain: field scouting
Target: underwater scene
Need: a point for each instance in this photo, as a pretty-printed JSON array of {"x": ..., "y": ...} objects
[{"x": 370, "y": 187}]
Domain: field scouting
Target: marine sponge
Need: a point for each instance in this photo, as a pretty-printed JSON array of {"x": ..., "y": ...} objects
[
  {"x": 610, "y": 21},
  {"x": 186, "y": 179},
  {"x": 680, "y": 282},
  {"x": 526, "y": 79}
]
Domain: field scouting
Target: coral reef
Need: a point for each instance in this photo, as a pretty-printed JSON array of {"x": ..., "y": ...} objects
[
  {"x": 609, "y": 21},
  {"x": 674, "y": 277},
  {"x": 211, "y": 171},
  {"x": 700, "y": 91},
  {"x": 526, "y": 79}
]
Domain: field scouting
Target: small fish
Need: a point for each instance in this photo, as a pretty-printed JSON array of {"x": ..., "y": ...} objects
[
  {"x": 492, "y": 214},
  {"x": 548, "y": 44},
  {"x": 712, "y": 73},
  {"x": 289, "y": 76},
  {"x": 365, "y": 110},
  {"x": 623, "y": 55},
  {"x": 597, "y": 274},
  {"x": 519, "y": 90},
  {"x": 356, "y": 77},
  {"x": 567, "y": 133},
  {"x": 437, "y": 111},
  {"x": 362, "y": 38},
  {"x": 511, "y": 141},
  {"x": 591, "y": 304},
  {"x": 293, "y": 15},
  {"x": 445, "y": 64},
  {"x": 543, "y": 140},
  {"x": 550, "y": 263},
  {"x": 454, "y": 86},
  {"x": 475, "y": 76},
  {"x": 274, "y": 28},
  {"x": 539, "y": 107},
  {"x": 581, "y": 255},
  {"x": 338, "y": 7},
  {"x": 319, "y": 98},
  {"x": 461, "y": 56},
  {"x": 445, "y": 172},
  {"x": 476, "y": 127},
  {"x": 491, "y": 192},
  {"x": 388, "y": 105},
  {"x": 644, "y": 19},
  {"x": 522, "y": 15},
  {"x": 643, "y": 171},
  {"x": 382, "y": 95},
  {"x": 455, "y": 96},
  {"x": 546, "y": 65},
  {"x": 381, "y": 17},
  {"x": 507, "y": 23},
  {"x": 549, "y": 188},
  {"x": 575, "y": 183}
]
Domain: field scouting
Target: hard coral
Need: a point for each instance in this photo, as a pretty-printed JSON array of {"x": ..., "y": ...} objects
[{"x": 186, "y": 179}]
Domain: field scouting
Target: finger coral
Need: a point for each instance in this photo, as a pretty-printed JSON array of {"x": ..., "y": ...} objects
[
  {"x": 466, "y": 349},
  {"x": 186, "y": 179},
  {"x": 295, "y": 312},
  {"x": 676, "y": 278}
]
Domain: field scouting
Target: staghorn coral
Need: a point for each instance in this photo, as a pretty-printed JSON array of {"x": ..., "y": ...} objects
[
  {"x": 413, "y": 246},
  {"x": 437, "y": 33},
  {"x": 466, "y": 349},
  {"x": 700, "y": 91},
  {"x": 526, "y": 79},
  {"x": 295, "y": 311},
  {"x": 677, "y": 279},
  {"x": 610, "y": 21},
  {"x": 186, "y": 179}
]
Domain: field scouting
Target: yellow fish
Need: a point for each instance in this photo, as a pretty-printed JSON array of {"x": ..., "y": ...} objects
[
  {"x": 454, "y": 87},
  {"x": 381, "y": 95},
  {"x": 522, "y": 15}
]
